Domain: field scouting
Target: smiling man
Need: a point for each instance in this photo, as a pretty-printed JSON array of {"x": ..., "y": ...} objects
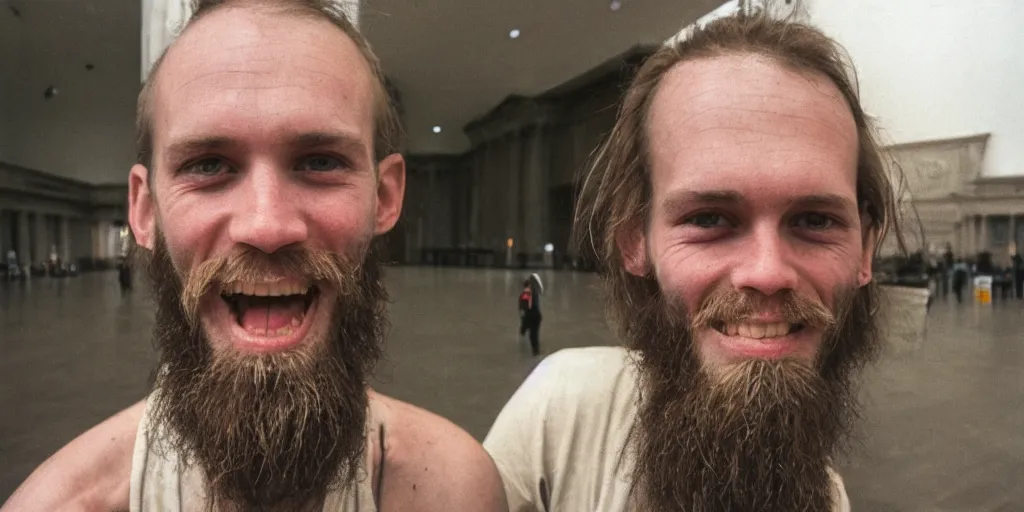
[
  {"x": 268, "y": 163},
  {"x": 735, "y": 209}
]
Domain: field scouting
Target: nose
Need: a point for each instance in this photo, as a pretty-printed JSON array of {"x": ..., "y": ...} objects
[
  {"x": 765, "y": 263},
  {"x": 268, "y": 215}
]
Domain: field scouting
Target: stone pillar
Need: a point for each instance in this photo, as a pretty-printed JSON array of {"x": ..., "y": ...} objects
[
  {"x": 99, "y": 239},
  {"x": 495, "y": 196},
  {"x": 972, "y": 236},
  {"x": 41, "y": 251},
  {"x": 985, "y": 244},
  {"x": 24, "y": 239},
  {"x": 431, "y": 208},
  {"x": 513, "y": 194},
  {"x": 64, "y": 240},
  {"x": 475, "y": 181},
  {"x": 6, "y": 241},
  {"x": 1011, "y": 246},
  {"x": 535, "y": 192}
]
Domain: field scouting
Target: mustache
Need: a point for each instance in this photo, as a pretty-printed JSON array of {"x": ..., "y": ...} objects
[
  {"x": 329, "y": 268},
  {"x": 727, "y": 305}
]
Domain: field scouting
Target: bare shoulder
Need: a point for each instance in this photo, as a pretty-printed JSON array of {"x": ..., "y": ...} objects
[
  {"x": 92, "y": 472},
  {"x": 433, "y": 465}
]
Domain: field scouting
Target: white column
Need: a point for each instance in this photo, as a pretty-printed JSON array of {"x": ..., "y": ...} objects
[
  {"x": 351, "y": 8},
  {"x": 99, "y": 240},
  {"x": 161, "y": 23}
]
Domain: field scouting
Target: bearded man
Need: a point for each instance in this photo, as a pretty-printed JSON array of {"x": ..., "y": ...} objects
[
  {"x": 268, "y": 163},
  {"x": 735, "y": 209}
]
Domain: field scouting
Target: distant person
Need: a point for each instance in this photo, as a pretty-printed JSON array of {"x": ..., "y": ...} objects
[
  {"x": 946, "y": 267},
  {"x": 529, "y": 315},
  {"x": 124, "y": 274},
  {"x": 12, "y": 264},
  {"x": 961, "y": 273},
  {"x": 268, "y": 165}
]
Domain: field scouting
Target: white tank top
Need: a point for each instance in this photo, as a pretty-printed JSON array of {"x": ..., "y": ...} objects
[{"x": 160, "y": 483}]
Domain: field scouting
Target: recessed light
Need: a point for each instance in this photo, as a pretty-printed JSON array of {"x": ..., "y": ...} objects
[
  {"x": 514, "y": 34},
  {"x": 616, "y": 5},
  {"x": 437, "y": 129}
]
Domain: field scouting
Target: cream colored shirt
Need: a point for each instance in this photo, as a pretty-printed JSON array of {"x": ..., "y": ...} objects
[
  {"x": 161, "y": 483},
  {"x": 558, "y": 441}
]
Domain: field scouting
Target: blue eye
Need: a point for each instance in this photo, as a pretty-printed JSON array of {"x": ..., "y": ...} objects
[
  {"x": 707, "y": 220},
  {"x": 321, "y": 163}
]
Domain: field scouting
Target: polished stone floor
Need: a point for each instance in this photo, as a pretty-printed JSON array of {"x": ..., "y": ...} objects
[{"x": 944, "y": 424}]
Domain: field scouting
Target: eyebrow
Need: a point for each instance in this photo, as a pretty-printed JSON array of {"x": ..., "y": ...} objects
[
  {"x": 180, "y": 150},
  {"x": 677, "y": 202},
  {"x": 309, "y": 140}
]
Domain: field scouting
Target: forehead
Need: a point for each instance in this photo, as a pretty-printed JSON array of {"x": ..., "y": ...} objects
[
  {"x": 246, "y": 73},
  {"x": 746, "y": 119}
]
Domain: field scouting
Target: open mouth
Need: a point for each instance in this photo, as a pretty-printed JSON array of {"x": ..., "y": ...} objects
[
  {"x": 757, "y": 330},
  {"x": 270, "y": 309}
]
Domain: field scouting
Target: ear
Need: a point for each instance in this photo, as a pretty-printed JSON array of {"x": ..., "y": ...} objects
[
  {"x": 632, "y": 244},
  {"x": 390, "y": 192},
  {"x": 141, "y": 207},
  {"x": 867, "y": 257}
]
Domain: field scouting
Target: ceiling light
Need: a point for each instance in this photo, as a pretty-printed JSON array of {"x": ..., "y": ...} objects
[
  {"x": 437, "y": 129},
  {"x": 616, "y": 5},
  {"x": 514, "y": 34}
]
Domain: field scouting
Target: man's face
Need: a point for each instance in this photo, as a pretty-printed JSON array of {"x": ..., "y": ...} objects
[
  {"x": 754, "y": 203},
  {"x": 263, "y": 132},
  {"x": 258, "y": 215},
  {"x": 759, "y": 314}
]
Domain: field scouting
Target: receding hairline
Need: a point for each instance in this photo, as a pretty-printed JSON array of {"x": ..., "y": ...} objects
[
  {"x": 268, "y": 8},
  {"x": 768, "y": 57}
]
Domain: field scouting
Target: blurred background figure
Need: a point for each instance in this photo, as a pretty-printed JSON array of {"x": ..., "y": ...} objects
[{"x": 529, "y": 311}]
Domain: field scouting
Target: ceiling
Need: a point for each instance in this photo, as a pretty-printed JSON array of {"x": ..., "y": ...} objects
[{"x": 452, "y": 60}]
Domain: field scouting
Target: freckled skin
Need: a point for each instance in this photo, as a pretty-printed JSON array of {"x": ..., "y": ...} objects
[{"x": 768, "y": 135}]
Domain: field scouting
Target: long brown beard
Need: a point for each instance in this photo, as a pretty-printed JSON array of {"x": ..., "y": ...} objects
[
  {"x": 269, "y": 431},
  {"x": 758, "y": 435}
]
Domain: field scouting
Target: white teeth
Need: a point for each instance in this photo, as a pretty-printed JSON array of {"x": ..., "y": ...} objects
[
  {"x": 757, "y": 330},
  {"x": 277, "y": 289}
]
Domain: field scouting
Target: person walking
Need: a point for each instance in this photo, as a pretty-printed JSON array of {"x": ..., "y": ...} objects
[
  {"x": 529, "y": 311},
  {"x": 960, "y": 272}
]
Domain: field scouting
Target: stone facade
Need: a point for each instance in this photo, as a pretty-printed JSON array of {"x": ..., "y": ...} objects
[
  {"x": 41, "y": 212},
  {"x": 511, "y": 195},
  {"x": 958, "y": 207}
]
